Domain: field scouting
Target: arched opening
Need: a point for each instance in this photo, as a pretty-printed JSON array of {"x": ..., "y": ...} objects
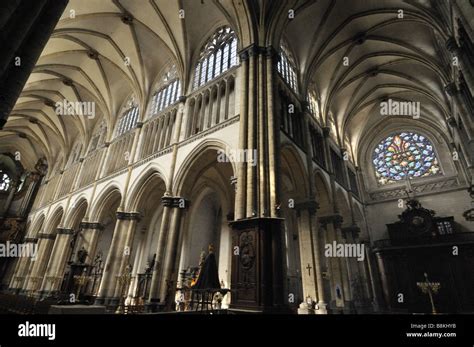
[
  {"x": 25, "y": 265},
  {"x": 293, "y": 191},
  {"x": 207, "y": 184},
  {"x": 145, "y": 248},
  {"x": 326, "y": 208},
  {"x": 99, "y": 246},
  {"x": 46, "y": 238}
]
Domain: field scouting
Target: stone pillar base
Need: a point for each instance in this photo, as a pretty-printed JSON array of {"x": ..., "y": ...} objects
[
  {"x": 304, "y": 308},
  {"x": 321, "y": 308}
]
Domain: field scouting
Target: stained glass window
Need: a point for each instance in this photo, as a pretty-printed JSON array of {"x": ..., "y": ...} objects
[
  {"x": 5, "y": 181},
  {"x": 404, "y": 156},
  {"x": 287, "y": 67},
  {"x": 217, "y": 56},
  {"x": 129, "y": 118}
]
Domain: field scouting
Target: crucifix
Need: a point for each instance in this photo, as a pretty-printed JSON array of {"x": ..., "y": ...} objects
[
  {"x": 429, "y": 288},
  {"x": 309, "y": 269}
]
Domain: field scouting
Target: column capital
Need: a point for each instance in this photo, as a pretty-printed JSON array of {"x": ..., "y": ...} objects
[
  {"x": 65, "y": 231},
  {"x": 91, "y": 225},
  {"x": 451, "y": 88},
  {"x": 452, "y": 45},
  {"x": 128, "y": 215},
  {"x": 31, "y": 239},
  {"x": 248, "y": 51},
  {"x": 182, "y": 98},
  {"x": 175, "y": 202},
  {"x": 139, "y": 125},
  {"x": 271, "y": 52},
  {"x": 326, "y": 131},
  {"x": 46, "y": 236},
  {"x": 452, "y": 122},
  {"x": 254, "y": 49},
  {"x": 311, "y": 205},
  {"x": 335, "y": 219},
  {"x": 243, "y": 55},
  {"x": 354, "y": 230}
]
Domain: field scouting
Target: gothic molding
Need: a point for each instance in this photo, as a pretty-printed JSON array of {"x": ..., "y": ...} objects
[
  {"x": 91, "y": 225},
  {"x": 353, "y": 230},
  {"x": 255, "y": 50},
  {"x": 128, "y": 215},
  {"x": 46, "y": 236},
  {"x": 451, "y": 88},
  {"x": 310, "y": 205},
  {"x": 326, "y": 131},
  {"x": 335, "y": 219},
  {"x": 64, "y": 231}
]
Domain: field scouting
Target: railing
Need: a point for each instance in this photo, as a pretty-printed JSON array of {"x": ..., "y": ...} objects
[
  {"x": 68, "y": 179},
  {"x": 119, "y": 152},
  {"x": 211, "y": 104},
  {"x": 90, "y": 167},
  {"x": 157, "y": 132}
]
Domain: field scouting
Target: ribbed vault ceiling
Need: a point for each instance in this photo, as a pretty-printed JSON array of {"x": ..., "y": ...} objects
[
  {"x": 86, "y": 60},
  {"x": 389, "y": 57}
]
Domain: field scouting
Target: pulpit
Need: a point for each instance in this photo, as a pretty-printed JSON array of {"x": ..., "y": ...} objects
[{"x": 257, "y": 265}]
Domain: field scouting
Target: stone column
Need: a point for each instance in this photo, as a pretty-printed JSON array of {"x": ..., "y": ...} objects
[
  {"x": 252, "y": 134},
  {"x": 384, "y": 279},
  {"x": 208, "y": 120},
  {"x": 45, "y": 244},
  {"x": 226, "y": 98},
  {"x": 166, "y": 238},
  {"x": 114, "y": 258},
  {"x": 334, "y": 264},
  {"x": 154, "y": 296},
  {"x": 126, "y": 245},
  {"x": 22, "y": 266},
  {"x": 310, "y": 255},
  {"x": 240, "y": 198},
  {"x": 273, "y": 134},
  {"x": 57, "y": 262},
  {"x": 262, "y": 135},
  {"x": 357, "y": 280},
  {"x": 346, "y": 279},
  {"x": 216, "y": 119},
  {"x": 377, "y": 301},
  {"x": 327, "y": 151},
  {"x": 91, "y": 233},
  {"x": 168, "y": 283}
]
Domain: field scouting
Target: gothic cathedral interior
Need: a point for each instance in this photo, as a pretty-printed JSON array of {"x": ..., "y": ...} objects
[{"x": 311, "y": 157}]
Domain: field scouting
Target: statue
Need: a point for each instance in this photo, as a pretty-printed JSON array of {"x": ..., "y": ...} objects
[
  {"x": 42, "y": 166},
  {"x": 82, "y": 255}
]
